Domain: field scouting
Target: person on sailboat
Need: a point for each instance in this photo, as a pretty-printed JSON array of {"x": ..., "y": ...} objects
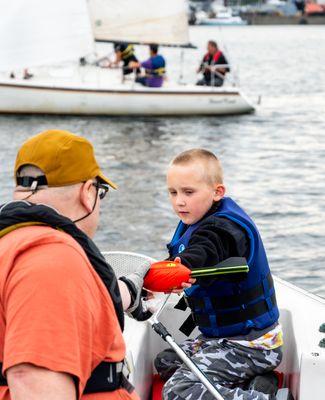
[
  {"x": 26, "y": 74},
  {"x": 61, "y": 303},
  {"x": 155, "y": 68},
  {"x": 212, "y": 74},
  {"x": 237, "y": 312},
  {"x": 125, "y": 52}
]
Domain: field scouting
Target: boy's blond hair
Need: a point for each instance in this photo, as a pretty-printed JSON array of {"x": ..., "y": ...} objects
[{"x": 211, "y": 163}]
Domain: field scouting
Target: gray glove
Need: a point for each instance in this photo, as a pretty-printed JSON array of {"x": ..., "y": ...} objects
[{"x": 134, "y": 282}]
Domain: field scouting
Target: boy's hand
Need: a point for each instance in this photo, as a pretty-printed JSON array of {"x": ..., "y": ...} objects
[{"x": 185, "y": 285}]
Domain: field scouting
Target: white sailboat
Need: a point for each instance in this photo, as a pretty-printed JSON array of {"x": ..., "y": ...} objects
[
  {"x": 302, "y": 316},
  {"x": 43, "y": 33}
]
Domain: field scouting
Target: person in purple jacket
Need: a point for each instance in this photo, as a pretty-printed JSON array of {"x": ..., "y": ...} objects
[{"x": 154, "y": 68}]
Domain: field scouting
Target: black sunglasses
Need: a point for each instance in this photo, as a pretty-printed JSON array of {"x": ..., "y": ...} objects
[{"x": 102, "y": 190}]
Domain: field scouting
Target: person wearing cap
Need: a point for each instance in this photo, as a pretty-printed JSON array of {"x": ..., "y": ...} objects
[{"x": 61, "y": 305}]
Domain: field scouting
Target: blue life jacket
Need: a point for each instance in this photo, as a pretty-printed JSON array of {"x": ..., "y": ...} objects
[
  {"x": 228, "y": 308},
  {"x": 158, "y": 66}
]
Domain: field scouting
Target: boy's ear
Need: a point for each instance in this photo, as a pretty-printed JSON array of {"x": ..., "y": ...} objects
[{"x": 219, "y": 191}]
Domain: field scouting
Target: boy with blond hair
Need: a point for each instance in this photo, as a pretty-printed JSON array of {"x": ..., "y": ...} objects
[{"x": 237, "y": 314}]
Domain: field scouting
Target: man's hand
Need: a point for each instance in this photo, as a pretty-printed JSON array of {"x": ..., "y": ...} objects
[{"x": 134, "y": 282}]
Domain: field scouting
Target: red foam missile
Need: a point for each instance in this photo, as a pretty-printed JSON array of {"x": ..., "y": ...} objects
[{"x": 164, "y": 276}]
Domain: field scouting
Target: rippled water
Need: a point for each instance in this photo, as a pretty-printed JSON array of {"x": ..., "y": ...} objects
[{"x": 273, "y": 160}]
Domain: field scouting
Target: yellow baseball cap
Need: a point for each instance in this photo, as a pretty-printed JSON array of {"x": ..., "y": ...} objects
[{"x": 64, "y": 157}]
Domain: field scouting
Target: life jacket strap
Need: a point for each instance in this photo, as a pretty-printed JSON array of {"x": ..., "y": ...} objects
[
  {"x": 230, "y": 318},
  {"x": 106, "y": 377},
  {"x": 27, "y": 181},
  {"x": 222, "y": 305},
  {"x": 215, "y": 57},
  {"x": 156, "y": 72},
  {"x": 182, "y": 304},
  {"x": 3, "y": 380},
  {"x": 159, "y": 71},
  {"x": 235, "y": 317},
  {"x": 8, "y": 229},
  {"x": 128, "y": 52},
  {"x": 188, "y": 325}
]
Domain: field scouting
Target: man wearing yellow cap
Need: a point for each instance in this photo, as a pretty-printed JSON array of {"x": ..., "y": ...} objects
[{"x": 61, "y": 306}]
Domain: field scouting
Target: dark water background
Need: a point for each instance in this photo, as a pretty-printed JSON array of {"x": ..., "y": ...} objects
[{"x": 274, "y": 160}]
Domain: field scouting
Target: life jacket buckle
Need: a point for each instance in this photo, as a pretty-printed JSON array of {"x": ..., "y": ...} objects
[{"x": 127, "y": 367}]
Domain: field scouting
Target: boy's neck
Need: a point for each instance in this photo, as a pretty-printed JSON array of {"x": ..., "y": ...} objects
[{"x": 212, "y": 210}]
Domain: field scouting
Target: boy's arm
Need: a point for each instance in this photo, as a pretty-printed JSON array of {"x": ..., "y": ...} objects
[{"x": 213, "y": 242}]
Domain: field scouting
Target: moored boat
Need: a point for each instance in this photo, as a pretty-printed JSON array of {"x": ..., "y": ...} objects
[{"x": 224, "y": 17}]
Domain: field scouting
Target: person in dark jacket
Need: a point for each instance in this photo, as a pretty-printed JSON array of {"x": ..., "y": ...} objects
[
  {"x": 155, "y": 68},
  {"x": 236, "y": 312},
  {"x": 125, "y": 52},
  {"x": 212, "y": 74}
]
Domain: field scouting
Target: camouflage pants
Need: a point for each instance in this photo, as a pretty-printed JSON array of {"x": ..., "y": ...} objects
[{"x": 229, "y": 365}]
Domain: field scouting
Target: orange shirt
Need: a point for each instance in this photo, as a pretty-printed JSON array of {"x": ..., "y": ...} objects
[{"x": 55, "y": 312}]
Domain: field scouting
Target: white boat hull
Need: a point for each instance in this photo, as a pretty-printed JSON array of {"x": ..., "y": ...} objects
[{"x": 29, "y": 97}]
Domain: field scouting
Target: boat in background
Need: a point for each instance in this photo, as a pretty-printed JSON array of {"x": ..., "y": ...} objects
[
  {"x": 71, "y": 29},
  {"x": 302, "y": 316},
  {"x": 223, "y": 17}
]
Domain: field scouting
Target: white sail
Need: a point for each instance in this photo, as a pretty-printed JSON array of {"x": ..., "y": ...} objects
[
  {"x": 140, "y": 21},
  {"x": 43, "y": 32}
]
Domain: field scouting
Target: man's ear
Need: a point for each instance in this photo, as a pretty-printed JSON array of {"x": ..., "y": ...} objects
[
  {"x": 86, "y": 195},
  {"x": 219, "y": 191}
]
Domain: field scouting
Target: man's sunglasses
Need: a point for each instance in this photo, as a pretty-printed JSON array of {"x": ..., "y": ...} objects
[{"x": 102, "y": 190}]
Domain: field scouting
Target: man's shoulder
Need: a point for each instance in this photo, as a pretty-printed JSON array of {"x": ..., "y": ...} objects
[
  {"x": 39, "y": 232},
  {"x": 223, "y": 59},
  {"x": 42, "y": 237},
  {"x": 47, "y": 253},
  {"x": 46, "y": 256}
]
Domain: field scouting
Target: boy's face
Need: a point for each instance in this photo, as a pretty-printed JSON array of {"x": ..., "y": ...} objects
[{"x": 190, "y": 192}]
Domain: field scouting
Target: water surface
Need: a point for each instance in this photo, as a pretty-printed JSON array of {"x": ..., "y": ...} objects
[{"x": 273, "y": 160}]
